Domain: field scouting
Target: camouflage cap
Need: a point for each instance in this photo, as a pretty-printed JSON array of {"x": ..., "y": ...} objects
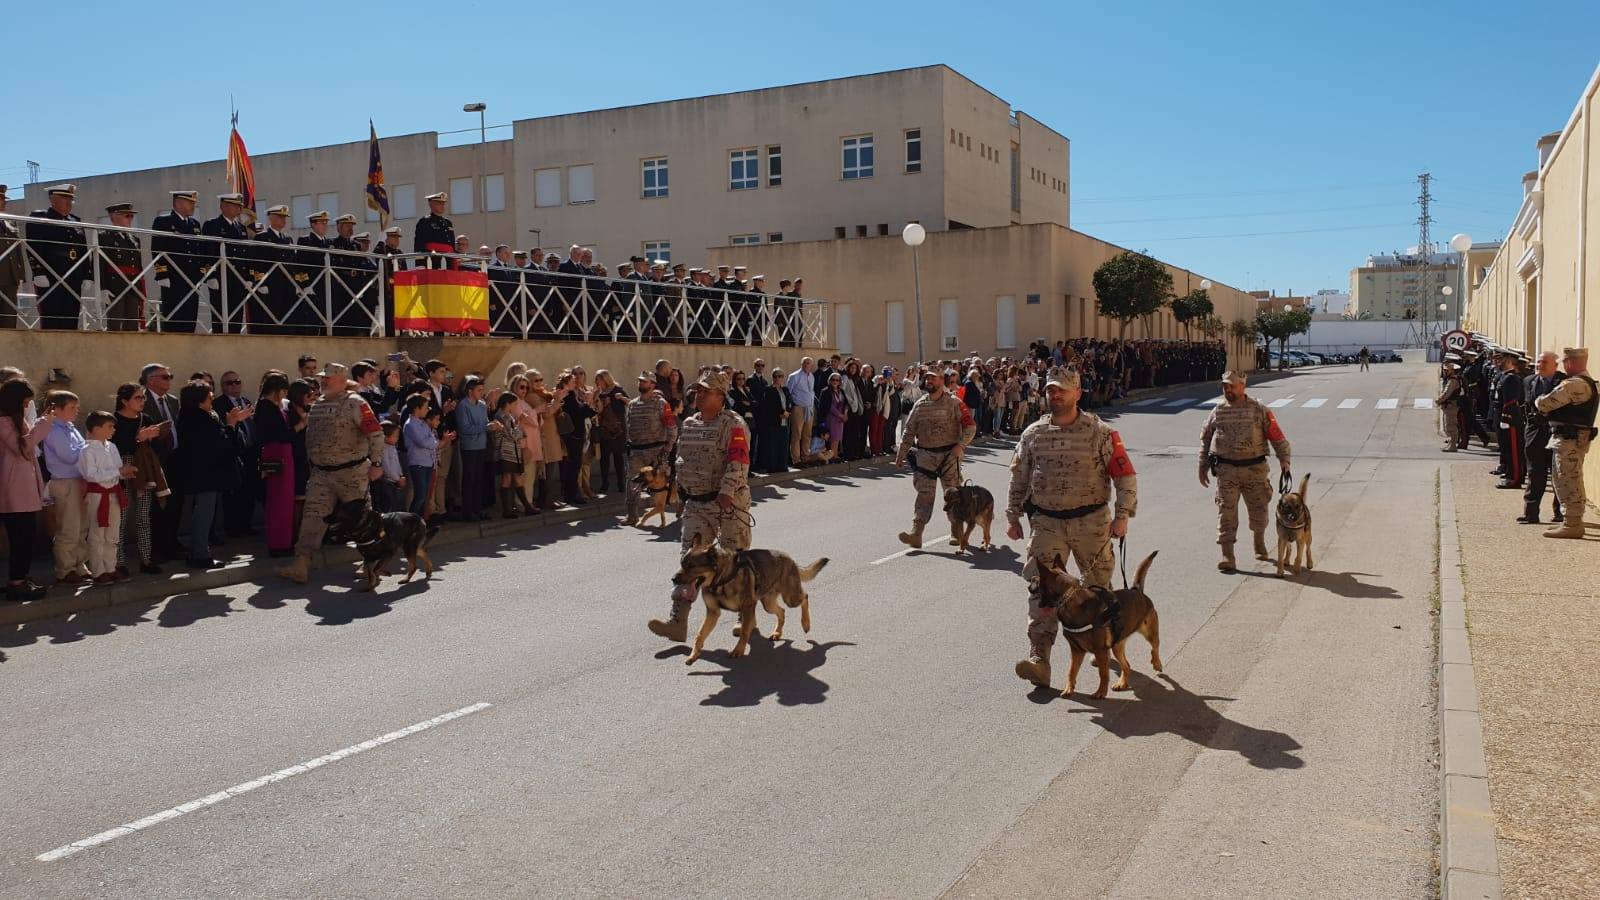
[
  {"x": 1234, "y": 376},
  {"x": 1580, "y": 354},
  {"x": 714, "y": 381},
  {"x": 1063, "y": 377}
]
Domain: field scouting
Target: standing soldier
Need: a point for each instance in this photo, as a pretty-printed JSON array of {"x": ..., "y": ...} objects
[
  {"x": 1447, "y": 400},
  {"x": 651, "y": 429},
  {"x": 57, "y": 250},
  {"x": 936, "y": 436},
  {"x": 713, "y": 477},
  {"x": 231, "y": 261},
  {"x": 386, "y": 269},
  {"x": 315, "y": 277},
  {"x": 1508, "y": 416},
  {"x": 12, "y": 268},
  {"x": 121, "y": 289},
  {"x": 177, "y": 265},
  {"x": 1061, "y": 478},
  {"x": 1570, "y": 409},
  {"x": 1233, "y": 445},
  {"x": 1536, "y": 437},
  {"x": 434, "y": 233},
  {"x": 278, "y": 292},
  {"x": 345, "y": 446},
  {"x": 349, "y": 318}
]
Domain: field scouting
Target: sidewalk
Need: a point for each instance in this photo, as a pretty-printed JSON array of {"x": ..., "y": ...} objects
[{"x": 1534, "y": 622}]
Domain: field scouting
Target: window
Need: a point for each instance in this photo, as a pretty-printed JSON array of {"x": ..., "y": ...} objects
[
  {"x": 842, "y": 327},
  {"x": 895, "y": 328},
  {"x": 745, "y": 240},
  {"x": 403, "y": 201},
  {"x": 883, "y": 229},
  {"x": 460, "y": 196},
  {"x": 1005, "y": 322},
  {"x": 949, "y": 321},
  {"x": 655, "y": 177},
  {"x": 914, "y": 150},
  {"x": 838, "y": 232},
  {"x": 774, "y": 237},
  {"x": 952, "y": 135},
  {"x": 547, "y": 187},
  {"x": 662, "y": 250},
  {"x": 329, "y": 202},
  {"x": 580, "y": 184},
  {"x": 1016, "y": 178},
  {"x": 494, "y": 193},
  {"x": 300, "y": 209},
  {"x": 857, "y": 157},
  {"x": 774, "y": 165},
  {"x": 861, "y": 231},
  {"x": 744, "y": 170}
]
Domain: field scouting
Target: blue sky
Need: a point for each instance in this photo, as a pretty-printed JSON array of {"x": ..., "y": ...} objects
[{"x": 1271, "y": 145}]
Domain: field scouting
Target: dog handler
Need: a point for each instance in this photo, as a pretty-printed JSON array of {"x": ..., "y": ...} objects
[
  {"x": 1570, "y": 409},
  {"x": 1233, "y": 445},
  {"x": 341, "y": 435},
  {"x": 936, "y": 435},
  {"x": 651, "y": 429},
  {"x": 1061, "y": 478},
  {"x": 713, "y": 477}
]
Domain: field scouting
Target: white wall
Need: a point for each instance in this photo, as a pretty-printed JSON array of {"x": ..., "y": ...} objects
[{"x": 1350, "y": 337}]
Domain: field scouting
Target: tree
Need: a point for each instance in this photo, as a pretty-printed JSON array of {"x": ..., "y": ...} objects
[
  {"x": 1276, "y": 325},
  {"x": 1131, "y": 286},
  {"x": 1193, "y": 306},
  {"x": 1245, "y": 331},
  {"x": 1211, "y": 326}
]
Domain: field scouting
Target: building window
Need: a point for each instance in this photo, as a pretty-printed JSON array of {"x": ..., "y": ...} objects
[
  {"x": 883, "y": 229},
  {"x": 1016, "y": 178},
  {"x": 580, "y": 184},
  {"x": 460, "y": 196},
  {"x": 774, "y": 166},
  {"x": 1005, "y": 322},
  {"x": 329, "y": 202},
  {"x": 744, "y": 170},
  {"x": 300, "y": 209},
  {"x": 838, "y": 232},
  {"x": 662, "y": 250},
  {"x": 744, "y": 240},
  {"x": 494, "y": 193},
  {"x": 843, "y": 327},
  {"x": 914, "y": 150},
  {"x": 547, "y": 187},
  {"x": 949, "y": 322},
  {"x": 952, "y": 135},
  {"x": 895, "y": 328},
  {"x": 655, "y": 177},
  {"x": 861, "y": 231},
  {"x": 774, "y": 237},
  {"x": 403, "y": 201},
  {"x": 857, "y": 156}
]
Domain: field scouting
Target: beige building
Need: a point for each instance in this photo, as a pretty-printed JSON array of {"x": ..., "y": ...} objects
[
  {"x": 1541, "y": 288},
  {"x": 1408, "y": 286}
]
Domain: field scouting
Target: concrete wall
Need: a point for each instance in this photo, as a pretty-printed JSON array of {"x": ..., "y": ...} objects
[
  {"x": 475, "y": 161},
  {"x": 1349, "y": 337}
]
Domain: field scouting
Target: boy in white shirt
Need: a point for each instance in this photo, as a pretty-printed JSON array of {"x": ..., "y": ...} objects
[{"x": 100, "y": 463}]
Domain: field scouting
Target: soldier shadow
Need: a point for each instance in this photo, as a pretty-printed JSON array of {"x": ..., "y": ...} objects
[
  {"x": 187, "y": 609},
  {"x": 70, "y": 629},
  {"x": 1164, "y": 707},
  {"x": 779, "y": 670}
]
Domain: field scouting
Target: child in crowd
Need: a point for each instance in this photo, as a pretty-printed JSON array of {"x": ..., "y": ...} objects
[
  {"x": 386, "y": 490},
  {"x": 422, "y": 448},
  {"x": 62, "y": 447},
  {"x": 508, "y": 450},
  {"x": 102, "y": 470},
  {"x": 435, "y": 420}
]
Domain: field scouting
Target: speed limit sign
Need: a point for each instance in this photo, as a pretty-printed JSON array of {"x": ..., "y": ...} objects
[{"x": 1455, "y": 341}]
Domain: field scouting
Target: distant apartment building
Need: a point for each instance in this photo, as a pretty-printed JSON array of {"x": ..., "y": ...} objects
[{"x": 1408, "y": 285}]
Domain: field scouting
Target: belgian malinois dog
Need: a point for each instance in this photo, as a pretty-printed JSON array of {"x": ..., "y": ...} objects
[
  {"x": 657, "y": 481},
  {"x": 969, "y": 506},
  {"x": 739, "y": 581},
  {"x": 1294, "y": 527},
  {"x": 1099, "y": 621}
]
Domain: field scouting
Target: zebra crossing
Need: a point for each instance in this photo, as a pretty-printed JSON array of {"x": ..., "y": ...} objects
[{"x": 1347, "y": 403}]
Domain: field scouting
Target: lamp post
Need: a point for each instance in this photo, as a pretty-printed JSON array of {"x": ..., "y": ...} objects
[
  {"x": 481, "y": 189},
  {"x": 914, "y": 235},
  {"x": 1461, "y": 243}
]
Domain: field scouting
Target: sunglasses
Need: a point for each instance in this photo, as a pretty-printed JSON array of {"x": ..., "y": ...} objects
[{"x": 232, "y": 382}]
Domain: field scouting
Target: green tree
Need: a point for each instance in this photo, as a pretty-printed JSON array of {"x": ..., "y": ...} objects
[
  {"x": 1244, "y": 331},
  {"x": 1131, "y": 286},
  {"x": 1192, "y": 307},
  {"x": 1277, "y": 325}
]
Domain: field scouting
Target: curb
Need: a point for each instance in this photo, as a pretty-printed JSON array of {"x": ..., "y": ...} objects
[
  {"x": 1469, "y": 867},
  {"x": 252, "y": 569}
]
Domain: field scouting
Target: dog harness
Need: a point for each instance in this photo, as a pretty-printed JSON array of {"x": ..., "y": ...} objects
[
  {"x": 740, "y": 562},
  {"x": 1108, "y": 619}
]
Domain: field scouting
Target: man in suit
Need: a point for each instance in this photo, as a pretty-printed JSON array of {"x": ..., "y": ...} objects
[
  {"x": 504, "y": 279},
  {"x": 12, "y": 268},
  {"x": 121, "y": 288},
  {"x": 434, "y": 233},
  {"x": 1536, "y": 442},
  {"x": 312, "y": 317},
  {"x": 57, "y": 250},
  {"x": 226, "y": 282},
  {"x": 179, "y": 267},
  {"x": 239, "y": 505},
  {"x": 161, "y": 405},
  {"x": 567, "y": 307}
]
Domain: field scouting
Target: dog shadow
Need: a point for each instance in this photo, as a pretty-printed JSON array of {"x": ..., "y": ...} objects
[
  {"x": 1165, "y": 707},
  {"x": 998, "y": 558},
  {"x": 781, "y": 670},
  {"x": 1345, "y": 584},
  {"x": 345, "y": 607},
  {"x": 187, "y": 609}
]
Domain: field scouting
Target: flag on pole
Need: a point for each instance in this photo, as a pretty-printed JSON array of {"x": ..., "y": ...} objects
[
  {"x": 447, "y": 300},
  {"x": 377, "y": 194},
  {"x": 241, "y": 175}
]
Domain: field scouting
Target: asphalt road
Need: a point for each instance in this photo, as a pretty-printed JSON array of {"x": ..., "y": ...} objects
[{"x": 512, "y": 728}]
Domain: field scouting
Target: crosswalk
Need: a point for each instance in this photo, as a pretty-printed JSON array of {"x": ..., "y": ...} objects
[{"x": 1347, "y": 403}]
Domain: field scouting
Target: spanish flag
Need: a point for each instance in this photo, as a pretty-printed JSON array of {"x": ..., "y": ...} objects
[
  {"x": 377, "y": 194},
  {"x": 447, "y": 300},
  {"x": 241, "y": 175}
]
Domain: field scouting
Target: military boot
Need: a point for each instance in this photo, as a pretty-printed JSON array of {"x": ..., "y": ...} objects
[
  {"x": 1036, "y": 668},
  {"x": 1261, "y": 548},
  {"x": 1572, "y": 529},
  {"x": 1227, "y": 564},
  {"x": 298, "y": 570},
  {"x": 912, "y": 538},
  {"x": 676, "y": 627}
]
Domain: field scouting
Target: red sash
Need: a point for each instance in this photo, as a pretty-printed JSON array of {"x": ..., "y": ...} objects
[{"x": 103, "y": 514}]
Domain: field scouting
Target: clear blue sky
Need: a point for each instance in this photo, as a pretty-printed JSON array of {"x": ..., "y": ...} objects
[{"x": 1195, "y": 127}]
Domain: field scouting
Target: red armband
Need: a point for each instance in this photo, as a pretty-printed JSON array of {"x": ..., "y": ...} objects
[
  {"x": 966, "y": 416},
  {"x": 369, "y": 422},
  {"x": 739, "y": 447},
  {"x": 1274, "y": 433},
  {"x": 667, "y": 418},
  {"x": 1119, "y": 465}
]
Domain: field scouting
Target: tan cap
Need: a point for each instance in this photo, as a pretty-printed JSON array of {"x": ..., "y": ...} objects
[
  {"x": 64, "y": 190},
  {"x": 1578, "y": 353},
  {"x": 191, "y": 196},
  {"x": 1234, "y": 376},
  {"x": 1063, "y": 377},
  {"x": 714, "y": 381},
  {"x": 333, "y": 368}
]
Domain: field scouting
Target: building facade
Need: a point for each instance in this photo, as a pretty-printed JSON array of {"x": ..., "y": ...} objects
[{"x": 1408, "y": 286}]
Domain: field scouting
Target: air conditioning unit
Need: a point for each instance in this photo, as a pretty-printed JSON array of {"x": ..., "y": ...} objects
[{"x": 951, "y": 343}]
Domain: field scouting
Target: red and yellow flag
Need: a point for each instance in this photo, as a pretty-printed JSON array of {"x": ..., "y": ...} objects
[
  {"x": 447, "y": 300},
  {"x": 241, "y": 175}
]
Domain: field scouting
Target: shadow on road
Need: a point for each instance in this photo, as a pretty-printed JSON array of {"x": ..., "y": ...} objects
[
  {"x": 1345, "y": 585},
  {"x": 76, "y": 627},
  {"x": 781, "y": 670}
]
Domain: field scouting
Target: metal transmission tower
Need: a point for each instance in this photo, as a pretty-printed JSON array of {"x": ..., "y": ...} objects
[{"x": 1420, "y": 330}]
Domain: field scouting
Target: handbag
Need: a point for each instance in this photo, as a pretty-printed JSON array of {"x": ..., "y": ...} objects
[{"x": 269, "y": 468}]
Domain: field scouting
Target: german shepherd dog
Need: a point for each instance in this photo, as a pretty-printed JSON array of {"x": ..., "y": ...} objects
[
  {"x": 738, "y": 581},
  {"x": 657, "y": 481},
  {"x": 379, "y": 537},
  {"x": 1294, "y": 527},
  {"x": 1100, "y": 621},
  {"x": 969, "y": 507}
]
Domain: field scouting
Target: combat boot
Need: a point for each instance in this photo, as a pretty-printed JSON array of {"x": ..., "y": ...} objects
[
  {"x": 1227, "y": 564},
  {"x": 1036, "y": 668},
  {"x": 298, "y": 570},
  {"x": 1261, "y": 547},
  {"x": 912, "y": 538},
  {"x": 1568, "y": 530},
  {"x": 676, "y": 627}
]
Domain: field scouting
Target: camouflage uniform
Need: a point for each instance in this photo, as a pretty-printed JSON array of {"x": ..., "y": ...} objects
[
  {"x": 1446, "y": 403},
  {"x": 932, "y": 432},
  {"x": 1061, "y": 478},
  {"x": 343, "y": 438},
  {"x": 651, "y": 431},
  {"x": 1570, "y": 408},
  {"x": 1241, "y": 432}
]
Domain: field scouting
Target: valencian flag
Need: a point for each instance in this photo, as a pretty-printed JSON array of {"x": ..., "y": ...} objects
[
  {"x": 377, "y": 194},
  {"x": 241, "y": 175},
  {"x": 448, "y": 300}
]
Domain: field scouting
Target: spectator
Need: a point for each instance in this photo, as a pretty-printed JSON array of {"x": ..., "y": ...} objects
[
  {"x": 773, "y": 410},
  {"x": 208, "y": 457},
  {"x": 386, "y": 490},
  {"x": 134, "y": 435},
  {"x": 302, "y": 393},
  {"x": 239, "y": 506},
  {"x": 308, "y": 366},
  {"x": 508, "y": 450},
  {"x": 835, "y": 410},
  {"x": 102, "y": 469},
  {"x": 63, "y": 446},
  {"x": 611, "y": 430},
  {"x": 856, "y": 423},
  {"x": 472, "y": 422},
  {"x": 881, "y": 402},
  {"x": 572, "y": 423},
  {"x": 422, "y": 447},
  {"x": 742, "y": 403},
  {"x": 21, "y": 489},
  {"x": 547, "y": 406},
  {"x": 532, "y": 439},
  {"x": 276, "y": 467},
  {"x": 162, "y": 406},
  {"x": 802, "y": 418}
]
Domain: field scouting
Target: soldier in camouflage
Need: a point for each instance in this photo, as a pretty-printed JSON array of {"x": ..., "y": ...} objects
[
  {"x": 1448, "y": 397},
  {"x": 1061, "y": 479},
  {"x": 1233, "y": 445},
  {"x": 344, "y": 443},
  {"x": 651, "y": 431},
  {"x": 936, "y": 435},
  {"x": 1570, "y": 409},
  {"x": 713, "y": 479}
]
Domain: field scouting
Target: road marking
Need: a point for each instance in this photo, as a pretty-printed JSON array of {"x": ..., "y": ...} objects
[
  {"x": 1349, "y": 404},
  {"x": 1214, "y": 401},
  {"x": 1149, "y": 402},
  {"x": 1181, "y": 401},
  {"x": 1281, "y": 402},
  {"x": 1422, "y": 403},
  {"x": 1314, "y": 403},
  {"x": 248, "y": 786},
  {"x": 925, "y": 544},
  {"x": 1390, "y": 403}
]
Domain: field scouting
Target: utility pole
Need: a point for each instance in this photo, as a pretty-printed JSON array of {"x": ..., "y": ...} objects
[
  {"x": 33, "y": 172},
  {"x": 1424, "y": 250}
]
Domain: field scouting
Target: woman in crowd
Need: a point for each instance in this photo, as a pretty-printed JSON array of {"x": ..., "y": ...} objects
[
  {"x": 742, "y": 402},
  {"x": 135, "y": 430},
  {"x": 772, "y": 426},
  {"x": 679, "y": 392},
  {"x": 532, "y": 440},
  {"x": 835, "y": 411},
  {"x": 972, "y": 395},
  {"x": 881, "y": 401},
  {"x": 302, "y": 393},
  {"x": 208, "y": 456},
  {"x": 611, "y": 430},
  {"x": 855, "y": 426},
  {"x": 21, "y": 485},
  {"x": 546, "y": 404},
  {"x": 572, "y": 422},
  {"x": 276, "y": 440}
]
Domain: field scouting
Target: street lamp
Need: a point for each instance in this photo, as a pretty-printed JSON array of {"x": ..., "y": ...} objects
[
  {"x": 914, "y": 234},
  {"x": 482, "y": 163}
]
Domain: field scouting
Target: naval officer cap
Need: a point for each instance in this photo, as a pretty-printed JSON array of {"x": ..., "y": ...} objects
[
  {"x": 440, "y": 197},
  {"x": 320, "y": 215},
  {"x": 279, "y": 210},
  {"x": 362, "y": 236},
  {"x": 191, "y": 196},
  {"x": 113, "y": 209},
  {"x": 235, "y": 199},
  {"x": 64, "y": 190},
  {"x": 347, "y": 217},
  {"x": 393, "y": 229},
  {"x": 1062, "y": 377}
]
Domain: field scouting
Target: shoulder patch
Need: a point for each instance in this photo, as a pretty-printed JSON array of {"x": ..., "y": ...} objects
[
  {"x": 1119, "y": 465},
  {"x": 1274, "y": 433},
  {"x": 739, "y": 446},
  {"x": 369, "y": 422}
]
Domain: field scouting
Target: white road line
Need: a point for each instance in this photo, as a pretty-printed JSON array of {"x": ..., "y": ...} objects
[
  {"x": 1314, "y": 403},
  {"x": 1181, "y": 401},
  {"x": 1390, "y": 403},
  {"x": 1214, "y": 401},
  {"x": 1349, "y": 404},
  {"x": 1152, "y": 401},
  {"x": 212, "y": 799},
  {"x": 925, "y": 544},
  {"x": 1422, "y": 403},
  {"x": 1281, "y": 402}
]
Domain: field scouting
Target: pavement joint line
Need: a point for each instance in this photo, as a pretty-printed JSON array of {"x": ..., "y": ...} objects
[
  {"x": 164, "y": 815},
  {"x": 942, "y": 537},
  {"x": 1468, "y": 862}
]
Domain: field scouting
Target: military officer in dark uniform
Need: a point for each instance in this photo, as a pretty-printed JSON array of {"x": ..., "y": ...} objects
[
  {"x": 434, "y": 233},
  {"x": 1508, "y": 413},
  {"x": 227, "y": 281},
  {"x": 278, "y": 289},
  {"x": 349, "y": 317},
  {"x": 178, "y": 267},
  {"x": 311, "y": 316},
  {"x": 56, "y": 251},
  {"x": 365, "y": 290},
  {"x": 1536, "y": 438},
  {"x": 387, "y": 268},
  {"x": 121, "y": 289}
]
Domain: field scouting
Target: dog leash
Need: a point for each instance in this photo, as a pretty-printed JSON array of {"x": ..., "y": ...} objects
[{"x": 1285, "y": 481}]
